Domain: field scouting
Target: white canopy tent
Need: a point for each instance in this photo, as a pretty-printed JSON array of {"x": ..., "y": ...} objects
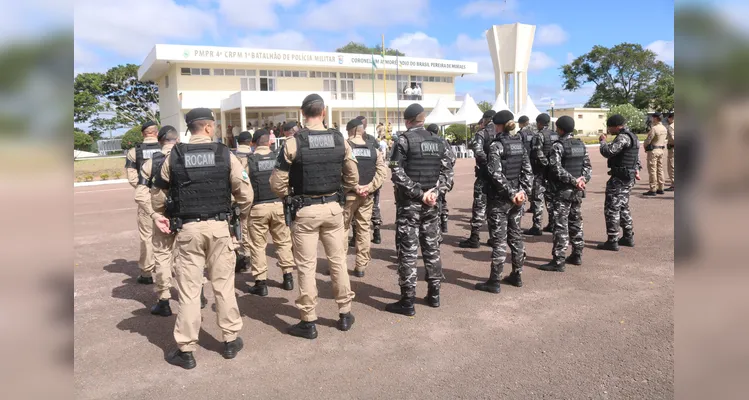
[
  {"x": 529, "y": 110},
  {"x": 500, "y": 105},
  {"x": 440, "y": 115},
  {"x": 469, "y": 111}
]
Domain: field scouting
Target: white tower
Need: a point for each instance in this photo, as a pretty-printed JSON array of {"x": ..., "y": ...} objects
[{"x": 510, "y": 46}]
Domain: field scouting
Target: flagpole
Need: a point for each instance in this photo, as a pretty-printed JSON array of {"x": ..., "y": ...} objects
[
  {"x": 397, "y": 87},
  {"x": 385, "y": 82},
  {"x": 374, "y": 110}
]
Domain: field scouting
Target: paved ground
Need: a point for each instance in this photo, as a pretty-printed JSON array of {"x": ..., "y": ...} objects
[{"x": 602, "y": 330}]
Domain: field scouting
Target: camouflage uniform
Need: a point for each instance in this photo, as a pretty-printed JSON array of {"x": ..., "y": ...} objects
[
  {"x": 478, "y": 211},
  {"x": 568, "y": 218},
  {"x": 616, "y": 203},
  {"x": 442, "y": 199},
  {"x": 540, "y": 193}
]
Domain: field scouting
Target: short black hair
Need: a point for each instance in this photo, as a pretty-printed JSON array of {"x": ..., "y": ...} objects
[
  {"x": 313, "y": 106},
  {"x": 196, "y": 126}
]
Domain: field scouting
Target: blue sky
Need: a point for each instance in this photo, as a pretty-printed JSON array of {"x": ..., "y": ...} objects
[{"x": 110, "y": 32}]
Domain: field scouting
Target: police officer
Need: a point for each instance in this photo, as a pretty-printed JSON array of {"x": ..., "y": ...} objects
[
  {"x": 670, "y": 145},
  {"x": 267, "y": 215},
  {"x": 201, "y": 178},
  {"x": 623, "y": 155},
  {"x": 133, "y": 164},
  {"x": 569, "y": 171},
  {"x": 509, "y": 168},
  {"x": 654, "y": 144},
  {"x": 478, "y": 211},
  {"x": 421, "y": 171},
  {"x": 358, "y": 210},
  {"x": 311, "y": 167},
  {"x": 243, "y": 151},
  {"x": 244, "y": 147},
  {"x": 289, "y": 129},
  {"x": 376, "y": 215},
  {"x": 540, "y": 150},
  {"x": 442, "y": 199},
  {"x": 526, "y": 132}
]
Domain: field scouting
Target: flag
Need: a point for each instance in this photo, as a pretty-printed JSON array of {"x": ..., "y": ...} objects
[{"x": 374, "y": 65}]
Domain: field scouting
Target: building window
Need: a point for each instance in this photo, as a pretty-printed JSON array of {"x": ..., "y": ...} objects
[
  {"x": 166, "y": 82},
  {"x": 347, "y": 89},
  {"x": 229, "y": 72},
  {"x": 267, "y": 84},
  {"x": 218, "y": 72},
  {"x": 249, "y": 84},
  {"x": 241, "y": 72},
  {"x": 197, "y": 71},
  {"x": 302, "y": 74},
  {"x": 330, "y": 85},
  {"x": 185, "y": 71},
  {"x": 579, "y": 116}
]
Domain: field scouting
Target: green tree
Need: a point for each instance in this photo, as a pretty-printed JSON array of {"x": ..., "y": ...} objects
[
  {"x": 131, "y": 138},
  {"x": 635, "y": 117},
  {"x": 456, "y": 133},
  {"x": 88, "y": 89},
  {"x": 624, "y": 74},
  {"x": 484, "y": 106},
  {"x": 359, "y": 48},
  {"x": 81, "y": 141}
]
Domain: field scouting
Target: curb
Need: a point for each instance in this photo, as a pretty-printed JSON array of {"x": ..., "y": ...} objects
[{"x": 97, "y": 183}]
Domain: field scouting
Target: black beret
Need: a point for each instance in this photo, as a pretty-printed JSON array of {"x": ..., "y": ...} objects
[
  {"x": 523, "y": 119},
  {"x": 258, "y": 134},
  {"x": 353, "y": 124},
  {"x": 146, "y": 125},
  {"x": 543, "y": 118},
  {"x": 310, "y": 99},
  {"x": 657, "y": 115},
  {"x": 244, "y": 137},
  {"x": 164, "y": 130},
  {"x": 288, "y": 126},
  {"x": 489, "y": 114},
  {"x": 413, "y": 111},
  {"x": 502, "y": 117},
  {"x": 670, "y": 115},
  {"x": 566, "y": 123},
  {"x": 199, "y": 114},
  {"x": 361, "y": 118},
  {"x": 433, "y": 128},
  {"x": 616, "y": 120}
]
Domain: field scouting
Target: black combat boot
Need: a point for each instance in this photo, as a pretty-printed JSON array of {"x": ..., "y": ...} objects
[
  {"x": 260, "y": 289},
  {"x": 303, "y": 329},
  {"x": 404, "y": 306},
  {"x": 182, "y": 359},
  {"x": 611, "y": 245},
  {"x": 491, "y": 286},
  {"x": 627, "y": 240},
  {"x": 162, "y": 308},
  {"x": 514, "y": 279},
  {"x": 670, "y": 189},
  {"x": 433, "y": 294},
  {"x": 553, "y": 266},
  {"x": 659, "y": 191},
  {"x": 473, "y": 242},
  {"x": 288, "y": 281},
  {"x": 649, "y": 193},
  {"x": 241, "y": 264},
  {"x": 232, "y": 348},
  {"x": 490, "y": 242},
  {"x": 352, "y": 241},
  {"x": 549, "y": 228},
  {"x": 358, "y": 273},
  {"x": 376, "y": 238},
  {"x": 345, "y": 321},
  {"x": 574, "y": 259},
  {"x": 203, "y": 300},
  {"x": 443, "y": 226},
  {"x": 144, "y": 280},
  {"x": 534, "y": 231}
]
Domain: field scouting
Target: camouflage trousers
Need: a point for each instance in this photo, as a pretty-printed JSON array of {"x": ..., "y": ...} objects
[
  {"x": 504, "y": 229},
  {"x": 376, "y": 216},
  {"x": 418, "y": 225},
  {"x": 540, "y": 194},
  {"x": 444, "y": 211},
  {"x": 616, "y": 207},
  {"x": 478, "y": 212},
  {"x": 568, "y": 227}
]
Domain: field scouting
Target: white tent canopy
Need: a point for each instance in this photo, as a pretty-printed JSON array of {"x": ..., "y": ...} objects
[
  {"x": 500, "y": 105},
  {"x": 529, "y": 110},
  {"x": 469, "y": 111},
  {"x": 440, "y": 115}
]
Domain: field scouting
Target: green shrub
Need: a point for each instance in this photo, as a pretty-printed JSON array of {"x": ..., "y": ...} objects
[
  {"x": 82, "y": 141},
  {"x": 88, "y": 178},
  {"x": 117, "y": 175},
  {"x": 104, "y": 177},
  {"x": 131, "y": 138},
  {"x": 634, "y": 116}
]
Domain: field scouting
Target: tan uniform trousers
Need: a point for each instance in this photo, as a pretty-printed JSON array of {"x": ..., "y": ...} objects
[
  {"x": 263, "y": 218},
  {"x": 655, "y": 169},
  {"x": 313, "y": 224},
  {"x": 202, "y": 245},
  {"x": 671, "y": 167},
  {"x": 246, "y": 240},
  {"x": 145, "y": 230},
  {"x": 163, "y": 256},
  {"x": 359, "y": 210}
]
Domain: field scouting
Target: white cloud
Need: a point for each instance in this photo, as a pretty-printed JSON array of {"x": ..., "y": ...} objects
[
  {"x": 570, "y": 58},
  {"x": 288, "y": 40},
  {"x": 464, "y": 44},
  {"x": 258, "y": 14},
  {"x": 342, "y": 15},
  {"x": 84, "y": 60},
  {"x": 663, "y": 49},
  {"x": 507, "y": 9},
  {"x": 485, "y": 69},
  {"x": 550, "y": 35},
  {"x": 120, "y": 27},
  {"x": 417, "y": 44},
  {"x": 540, "y": 61}
]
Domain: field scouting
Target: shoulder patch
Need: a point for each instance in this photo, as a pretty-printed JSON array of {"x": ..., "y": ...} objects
[{"x": 245, "y": 176}]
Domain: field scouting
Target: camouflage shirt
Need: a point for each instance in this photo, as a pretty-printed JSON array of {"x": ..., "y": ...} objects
[
  {"x": 410, "y": 188},
  {"x": 619, "y": 144},
  {"x": 500, "y": 183}
]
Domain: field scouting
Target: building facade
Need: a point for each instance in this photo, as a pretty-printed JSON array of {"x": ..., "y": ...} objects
[
  {"x": 588, "y": 121},
  {"x": 250, "y": 87}
]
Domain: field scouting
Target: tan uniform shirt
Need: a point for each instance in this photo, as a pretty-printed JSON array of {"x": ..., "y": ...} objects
[
  {"x": 380, "y": 174},
  {"x": 143, "y": 194},
  {"x": 656, "y": 136},
  {"x": 670, "y": 137},
  {"x": 279, "y": 180},
  {"x": 241, "y": 188},
  {"x": 132, "y": 173},
  {"x": 244, "y": 149}
]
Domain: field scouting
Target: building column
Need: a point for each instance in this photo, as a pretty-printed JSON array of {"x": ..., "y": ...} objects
[
  {"x": 224, "y": 126},
  {"x": 242, "y": 118},
  {"x": 330, "y": 116},
  {"x": 300, "y": 120}
]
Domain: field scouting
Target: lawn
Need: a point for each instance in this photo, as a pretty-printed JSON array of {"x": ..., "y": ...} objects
[{"x": 99, "y": 169}]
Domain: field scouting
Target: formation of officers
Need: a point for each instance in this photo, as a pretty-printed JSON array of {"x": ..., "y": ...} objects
[{"x": 205, "y": 211}]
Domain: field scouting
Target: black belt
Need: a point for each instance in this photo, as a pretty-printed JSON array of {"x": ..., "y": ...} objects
[
  {"x": 309, "y": 201},
  {"x": 217, "y": 217},
  {"x": 143, "y": 181}
]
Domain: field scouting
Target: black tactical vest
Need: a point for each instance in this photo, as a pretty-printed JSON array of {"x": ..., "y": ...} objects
[
  {"x": 489, "y": 135},
  {"x": 199, "y": 180},
  {"x": 143, "y": 152},
  {"x": 626, "y": 161},
  {"x": 424, "y": 157},
  {"x": 240, "y": 154},
  {"x": 573, "y": 156},
  {"x": 366, "y": 157},
  {"x": 261, "y": 167},
  {"x": 512, "y": 156},
  {"x": 157, "y": 160},
  {"x": 527, "y": 135},
  {"x": 549, "y": 139},
  {"x": 318, "y": 165}
]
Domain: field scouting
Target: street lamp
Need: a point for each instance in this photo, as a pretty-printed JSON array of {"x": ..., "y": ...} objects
[{"x": 553, "y": 125}]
